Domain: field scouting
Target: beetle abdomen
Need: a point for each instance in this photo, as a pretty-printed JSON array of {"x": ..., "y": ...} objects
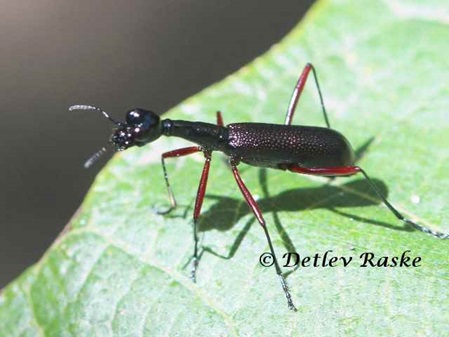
[{"x": 275, "y": 146}]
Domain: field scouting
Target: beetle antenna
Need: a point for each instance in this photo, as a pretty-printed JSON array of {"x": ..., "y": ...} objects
[
  {"x": 91, "y": 107},
  {"x": 93, "y": 158}
]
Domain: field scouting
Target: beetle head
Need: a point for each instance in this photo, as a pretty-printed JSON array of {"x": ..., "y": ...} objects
[{"x": 141, "y": 127}]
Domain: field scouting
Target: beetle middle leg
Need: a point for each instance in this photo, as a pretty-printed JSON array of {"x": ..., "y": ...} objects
[
  {"x": 219, "y": 119},
  {"x": 258, "y": 214},
  {"x": 298, "y": 91},
  {"x": 351, "y": 170}
]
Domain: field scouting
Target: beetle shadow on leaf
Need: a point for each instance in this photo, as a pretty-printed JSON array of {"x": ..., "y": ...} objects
[{"x": 228, "y": 211}]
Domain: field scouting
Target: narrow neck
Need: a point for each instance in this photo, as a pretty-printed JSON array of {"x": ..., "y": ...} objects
[{"x": 207, "y": 135}]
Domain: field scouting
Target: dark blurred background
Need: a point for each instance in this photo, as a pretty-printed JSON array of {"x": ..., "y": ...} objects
[{"x": 115, "y": 55}]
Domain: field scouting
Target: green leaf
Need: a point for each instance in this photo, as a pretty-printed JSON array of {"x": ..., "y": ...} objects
[{"x": 120, "y": 269}]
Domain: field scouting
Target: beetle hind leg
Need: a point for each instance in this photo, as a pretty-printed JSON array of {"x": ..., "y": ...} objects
[{"x": 351, "y": 170}]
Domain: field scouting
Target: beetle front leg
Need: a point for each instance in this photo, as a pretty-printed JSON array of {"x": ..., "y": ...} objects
[
  {"x": 174, "y": 154},
  {"x": 197, "y": 210}
]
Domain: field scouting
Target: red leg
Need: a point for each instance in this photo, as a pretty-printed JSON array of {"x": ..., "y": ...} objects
[
  {"x": 258, "y": 214},
  {"x": 219, "y": 119},
  {"x": 350, "y": 170},
  {"x": 196, "y": 213},
  {"x": 298, "y": 91},
  {"x": 328, "y": 171},
  {"x": 170, "y": 154}
]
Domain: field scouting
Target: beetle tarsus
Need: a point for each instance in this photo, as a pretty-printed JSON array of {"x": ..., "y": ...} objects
[
  {"x": 194, "y": 267},
  {"x": 284, "y": 285},
  {"x": 426, "y": 230}
]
